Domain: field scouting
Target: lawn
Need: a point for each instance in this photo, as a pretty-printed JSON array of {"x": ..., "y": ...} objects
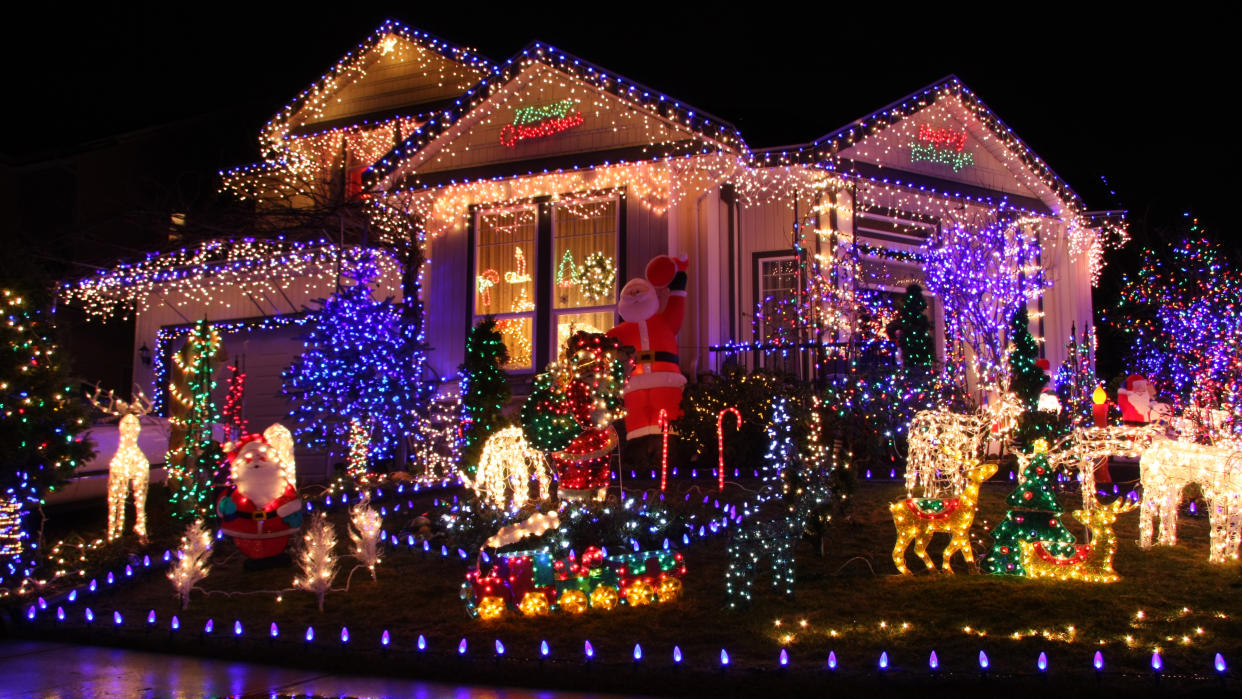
[{"x": 849, "y": 602}]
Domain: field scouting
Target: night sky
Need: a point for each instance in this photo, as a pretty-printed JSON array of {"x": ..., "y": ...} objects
[{"x": 1134, "y": 115}]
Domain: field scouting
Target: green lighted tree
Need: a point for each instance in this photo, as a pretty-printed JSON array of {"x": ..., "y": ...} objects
[
  {"x": 1026, "y": 382},
  {"x": 192, "y": 455},
  {"x": 1034, "y": 515},
  {"x": 484, "y": 390},
  {"x": 914, "y": 332}
]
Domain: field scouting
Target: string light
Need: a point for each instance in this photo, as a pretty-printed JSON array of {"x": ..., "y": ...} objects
[
  {"x": 191, "y": 416},
  {"x": 720, "y": 471},
  {"x": 128, "y": 471},
  {"x": 506, "y": 470},
  {"x": 1167, "y": 468}
]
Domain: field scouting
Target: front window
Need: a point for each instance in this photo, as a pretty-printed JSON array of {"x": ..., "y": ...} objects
[
  {"x": 776, "y": 311},
  {"x": 578, "y": 280}
]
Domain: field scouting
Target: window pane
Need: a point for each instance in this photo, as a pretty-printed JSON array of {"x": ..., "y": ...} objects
[
  {"x": 584, "y": 253},
  {"x": 505, "y": 262},
  {"x": 516, "y": 333},
  {"x": 778, "y": 295},
  {"x": 569, "y": 323}
]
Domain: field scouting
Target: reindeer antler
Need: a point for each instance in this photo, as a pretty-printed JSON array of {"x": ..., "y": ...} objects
[
  {"x": 111, "y": 408},
  {"x": 141, "y": 405}
]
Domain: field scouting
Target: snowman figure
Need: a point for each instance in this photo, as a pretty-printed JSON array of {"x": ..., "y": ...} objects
[{"x": 260, "y": 508}]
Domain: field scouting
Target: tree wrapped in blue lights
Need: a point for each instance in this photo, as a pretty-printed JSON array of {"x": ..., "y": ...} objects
[
  {"x": 983, "y": 273},
  {"x": 1182, "y": 312},
  {"x": 1076, "y": 379},
  {"x": 362, "y": 358},
  {"x": 39, "y": 414}
]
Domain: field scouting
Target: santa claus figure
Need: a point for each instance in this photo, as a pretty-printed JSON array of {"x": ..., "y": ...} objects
[
  {"x": 1135, "y": 400},
  {"x": 653, "y": 308},
  {"x": 260, "y": 508}
]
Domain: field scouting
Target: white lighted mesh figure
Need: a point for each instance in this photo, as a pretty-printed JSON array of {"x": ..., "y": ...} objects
[{"x": 128, "y": 471}]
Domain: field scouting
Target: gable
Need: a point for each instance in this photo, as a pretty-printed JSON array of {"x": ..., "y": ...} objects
[
  {"x": 947, "y": 141},
  {"x": 394, "y": 72},
  {"x": 543, "y": 112}
]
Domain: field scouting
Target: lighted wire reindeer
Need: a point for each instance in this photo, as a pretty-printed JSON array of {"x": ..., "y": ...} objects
[
  {"x": 918, "y": 519},
  {"x": 1091, "y": 562},
  {"x": 128, "y": 471},
  {"x": 944, "y": 444}
]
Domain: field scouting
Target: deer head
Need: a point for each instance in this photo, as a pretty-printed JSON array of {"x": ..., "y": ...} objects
[{"x": 138, "y": 406}]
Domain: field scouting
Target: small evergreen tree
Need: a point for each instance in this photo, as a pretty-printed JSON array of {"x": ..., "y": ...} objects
[
  {"x": 39, "y": 415},
  {"x": 484, "y": 390},
  {"x": 913, "y": 332},
  {"x": 362, "y": 358},
  {"x": 1026, "y": 382}
]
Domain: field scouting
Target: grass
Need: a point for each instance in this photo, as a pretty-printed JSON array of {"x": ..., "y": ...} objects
[{"x": 850, "y": 602}]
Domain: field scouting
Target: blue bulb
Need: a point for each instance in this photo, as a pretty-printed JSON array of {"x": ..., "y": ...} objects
[
  {"x": 1219, "y": 663},
  {"x": 543, "y": 648},
  {"x": 500, "y": 647},
  {"x": 344, "y": 635},
  {"x": 461, "y": 647},
  {"x": 588, "y": 649},
  {"x": 175, "y": 624},
  {"x": 724, "y": 657},
  {"x": 422, "y": 642},
  {"x": 884, "y": 660},
  {"x": 273, "y": 630},
  {"x": 638, "y": 652},
  {"x": 385, "y": 639},
  {"x": 933, "y": 662},
  {"x": 983, "y": 660},
  {"x": 60, "y": 614},
  {"x": 677, "y": 654},
  {"x": 1098, "y": 661},
  {"x": 1156, "y": 662},
  {"x": 784, "y": 657},
  {"x": 90, "y": 616},
  {"x": 208, "y": 626},
  {"x": 151, "y": 617},
  {"x": 310, "y": 633}
]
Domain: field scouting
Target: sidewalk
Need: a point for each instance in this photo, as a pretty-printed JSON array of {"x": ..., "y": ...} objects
[{"x": 53, "y": 670}]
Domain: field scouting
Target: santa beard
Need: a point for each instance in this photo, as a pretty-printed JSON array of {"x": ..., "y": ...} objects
[
  {"x": 261, "y": 482},
  {"x": 639, "y": 301}
]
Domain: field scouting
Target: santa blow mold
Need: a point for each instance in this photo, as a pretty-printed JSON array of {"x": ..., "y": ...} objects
[
  {"x": 1134, "y": 398},
  {"x": 260, "y": 509},
  {"x": 652, "y": 309}
]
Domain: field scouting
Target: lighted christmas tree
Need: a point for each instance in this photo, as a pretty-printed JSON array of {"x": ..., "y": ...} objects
[
  {"x": 914, "y": 333},
  {"x": 1034, "y": 515},
  {"x": 1026, "y": 382},
  {"x": 39, "y": 415},
  {"x": 193, "y": 458},
  {"x": 484, "y": 390},
  {"x": 1076, "y": 379},
  {"x": 363, "y": 359}
]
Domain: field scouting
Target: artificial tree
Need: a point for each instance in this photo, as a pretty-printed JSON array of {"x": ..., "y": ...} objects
[
  {"x": 1034, "y": 515},
  {"x": 913, "y": 331}
]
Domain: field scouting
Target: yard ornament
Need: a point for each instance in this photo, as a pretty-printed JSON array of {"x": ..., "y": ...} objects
[
  {"x": 652, "y": 309},
  {"x": 129, "y": 472},
  {"x": 1134, "y": 398},
  {"x": 260, "y": 509}
]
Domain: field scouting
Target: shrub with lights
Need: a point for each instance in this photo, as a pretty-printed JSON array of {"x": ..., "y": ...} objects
[{"x": 484, "y": 391}]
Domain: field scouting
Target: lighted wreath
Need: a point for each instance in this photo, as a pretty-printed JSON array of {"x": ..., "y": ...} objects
[{"x": 596, "y": 276}]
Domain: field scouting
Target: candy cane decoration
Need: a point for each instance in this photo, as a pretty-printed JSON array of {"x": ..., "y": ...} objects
[
  {"x": 485, "y": 282},
  {"x": 663, "y": 419},
  {"x": 720, "y": 440}
]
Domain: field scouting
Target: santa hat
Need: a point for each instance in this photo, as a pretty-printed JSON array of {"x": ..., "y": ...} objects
[{"x": 1132, "y": 379}]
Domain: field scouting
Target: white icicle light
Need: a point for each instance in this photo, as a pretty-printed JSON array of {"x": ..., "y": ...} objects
[
  {"x": 191, "y": 564},
  {"x": 317, "y": 559},
  {"x": 365, "y": 526}
]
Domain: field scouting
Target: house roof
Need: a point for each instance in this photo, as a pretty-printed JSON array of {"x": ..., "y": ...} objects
[
  {"x": 826, "y": 149},
  {"x": 653, "y": 101},
  {"x": 347, "y": 69}
]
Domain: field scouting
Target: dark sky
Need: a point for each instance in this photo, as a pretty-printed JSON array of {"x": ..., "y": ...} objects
[{"x": 1146, "y": 104}]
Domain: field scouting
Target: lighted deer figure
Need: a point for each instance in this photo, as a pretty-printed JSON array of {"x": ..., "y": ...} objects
[
  {"x": 918, "y": 519},
  {"x": 128, "y": 471},
  {"x": 1091, "y": 562}
]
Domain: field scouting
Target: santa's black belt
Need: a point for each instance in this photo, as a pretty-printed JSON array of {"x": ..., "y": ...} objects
[
  {"x": 261, "y": 515},
  {"x": 646, "y": 356}
]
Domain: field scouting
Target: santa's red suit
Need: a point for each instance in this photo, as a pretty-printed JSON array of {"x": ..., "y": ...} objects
[
  {"x": 1134, "y": 399},
  {"x": 656, "y": 382},
  {"x": 260, "y": 532}
]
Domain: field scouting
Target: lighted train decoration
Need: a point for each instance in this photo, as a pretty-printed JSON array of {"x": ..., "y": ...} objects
[{"x": 532, "y": 583}]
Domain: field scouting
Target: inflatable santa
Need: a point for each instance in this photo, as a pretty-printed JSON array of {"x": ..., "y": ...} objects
[
  {"x": 652, "y": 309},
  {"x": 260, "y": 508},
  {"x": 1134, "y": 399}
]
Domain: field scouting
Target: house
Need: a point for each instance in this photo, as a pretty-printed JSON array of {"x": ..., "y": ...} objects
[{"x": 538, "y": 186}]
